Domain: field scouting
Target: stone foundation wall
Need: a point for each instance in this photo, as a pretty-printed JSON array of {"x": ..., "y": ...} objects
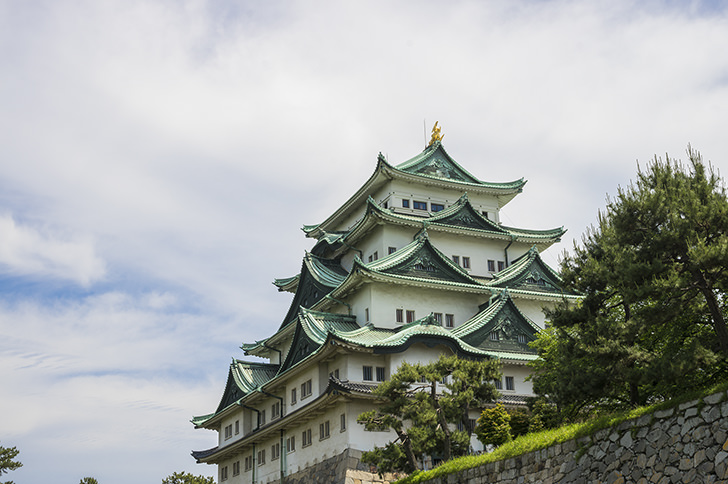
[
  {"x": 685, "y": 444},
  {"x": 345, "y": 468}
]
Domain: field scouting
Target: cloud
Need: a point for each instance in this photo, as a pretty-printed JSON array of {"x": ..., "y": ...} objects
[
  {"x": 159, "y": 157},
  {"x": 26, "y": 251}
]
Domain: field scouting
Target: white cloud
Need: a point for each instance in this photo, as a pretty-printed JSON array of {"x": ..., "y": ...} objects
[
  {"x": 27, "y": 251},
  {"x": 164, "y": 155}
]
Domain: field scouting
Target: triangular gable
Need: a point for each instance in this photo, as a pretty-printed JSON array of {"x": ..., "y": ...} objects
[
  {"x": 463, "y": 214},
  {"x": 528, "y": 273},
  {"x": 501, "y": 327},
  {"x": 312, "y": 330},
  {"x": 318, "y": 277},
  {"x": 244, "y": 377},
  {"x": 421, "y": 260},
  {"x": 434, "y": 161}
]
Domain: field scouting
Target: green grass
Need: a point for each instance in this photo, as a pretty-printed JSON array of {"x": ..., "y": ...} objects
[{"x": 547, "y": 438}]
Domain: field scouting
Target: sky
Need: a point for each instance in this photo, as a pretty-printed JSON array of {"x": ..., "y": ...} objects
[{"x": 158, "y": 159}]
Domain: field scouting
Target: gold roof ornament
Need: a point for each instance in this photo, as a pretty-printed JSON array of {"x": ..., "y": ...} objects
[{"x": 436, "y": 136}]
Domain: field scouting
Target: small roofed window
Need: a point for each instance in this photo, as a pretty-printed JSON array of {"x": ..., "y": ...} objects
[
  {"x": 419, "y": 205},
  {"x": 436, "y": 207}
]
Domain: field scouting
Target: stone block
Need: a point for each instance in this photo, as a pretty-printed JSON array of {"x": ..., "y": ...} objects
[
  {"x": 714, "y": 398},
  {"x": 691, "y": 403}
]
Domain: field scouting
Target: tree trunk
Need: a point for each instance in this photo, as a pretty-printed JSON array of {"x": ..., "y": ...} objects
[
  {"x": 408, "y": 451},
  {"x": 719, "y": 324},
  {"x": 447, "y": 448}
]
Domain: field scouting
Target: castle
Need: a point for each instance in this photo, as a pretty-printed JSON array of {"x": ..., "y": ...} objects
[{"x": 415, "y": 264}]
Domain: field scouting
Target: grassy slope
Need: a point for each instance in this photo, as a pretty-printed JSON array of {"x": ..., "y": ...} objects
[{"x": 541, "y": 440}]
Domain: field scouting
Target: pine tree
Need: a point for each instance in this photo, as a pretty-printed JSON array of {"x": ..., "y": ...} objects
[{"x": 653, "y": 273}]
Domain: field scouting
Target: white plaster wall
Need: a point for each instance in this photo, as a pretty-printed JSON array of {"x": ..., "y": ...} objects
[
  {"x": 312, "y": 372},
  {"x": 237, "y": 415},
  {"x": 356, "y": 361},
  {"x": 533, "y": 310},
  {"x": 519, "y": 374},
  {"x": 386, "y": 298},
  {"x": 417, "y": 353}
]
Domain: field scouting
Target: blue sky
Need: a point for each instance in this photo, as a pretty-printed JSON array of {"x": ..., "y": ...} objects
[{"x": 158, "y": 158}]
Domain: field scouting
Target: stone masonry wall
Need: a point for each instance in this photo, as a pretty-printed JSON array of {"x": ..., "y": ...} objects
[
  {"x": 345, "y": 468},
  {"x": 685, "y": 444}
]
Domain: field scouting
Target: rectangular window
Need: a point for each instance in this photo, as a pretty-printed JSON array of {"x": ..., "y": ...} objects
[
  {"x": 419, "y": 205},
  {"x": 456, "y": 259},
  {"x": 380, "y": 373},
  {"x": 371, "y": 258},
  {"x": 306, "y": 438},
  {"x": 305, "y": 389},
  {"x": 223, "y": 473},
  {"x": 498, "y": 384},
  {"x": 510, "y": 384},
  {"x": 236, "y": 468},
  {"x": 343, "y": 422},
  {"x": 449, "y": 320},
  {"x": 405, "y": 203},
  {"x": 228, "y": 431},
  {"x": 485, "y": 214},
  {"x": 291, "y": 443},
  {"x": 436, "y": 207},
  {"x": 501, "y": 265},
  {"x": 248, "y": 463},
  {"x": 261, "y": 457},
  {"x": 375, "y": 255},
  {"x": 261, "y": 418},
  {"x": 522, "y": 338},
  {"x": 491, "y": 266},
  {"x": 275, "y": 451},
  {"x": 366, "y": 314},
  {"x": 293, "y": 396},
  {"x": 275, "y": 410},
  {"x": 392, "y": 250},
  {"x": 324, "y": 430},
  {"x": 237, "y": 427},
  {"x": 399, "y": 315},
  {"x": 334, "y": 373},
  {"x": 367, "y": 373},
  {"x": 466, "y": 262},
  {"x": 438, "y": 317},
  {"x": 410, "y": 315}
]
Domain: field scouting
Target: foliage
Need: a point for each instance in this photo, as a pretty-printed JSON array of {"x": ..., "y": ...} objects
[
  {"x": 7, "y": 454},
  {"x": 187, "y": 478},
  {"x": 494, "y": 426},
  {"x": 520, "y": 423},
  {"x": 654, "y": 275},
  {"x": 414, "y": 406},
  {"x": 89, "y": 480}
]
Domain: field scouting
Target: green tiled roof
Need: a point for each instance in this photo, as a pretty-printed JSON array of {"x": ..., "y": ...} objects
[
  {"x": 419, "y": 261},
  {"x": 529, "y": 275},
  {"x": 435, "y": 162},
  {"x": 504, "y": 317},
  {"x": 459, "y": 215},
  {"x": 431, "y": 167},
  {"x": 318, "y": 278}
]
